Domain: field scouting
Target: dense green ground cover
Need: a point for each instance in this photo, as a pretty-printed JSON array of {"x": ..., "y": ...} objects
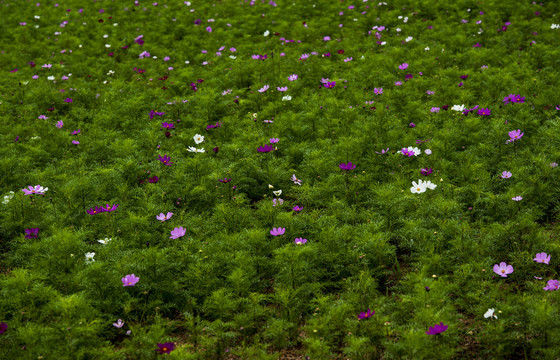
[{"x": 226, "y": 287}]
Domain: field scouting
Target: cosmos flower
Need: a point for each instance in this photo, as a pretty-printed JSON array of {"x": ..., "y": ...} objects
[
  {"x": 282, "y": 89},
  {"x": 542, "y": 258},
  {"x": 166, "y": 348},
  {"x": 293, "y": 77},
  {"x": 403, "y": 66},
  {"x": 130, "y": 280},
  {"x": 119, "y": 324},
  {"x": 178, "y": 232},
  {"x": 163, "y": 217},
  {"x": 347, "y": 167},
  {"x": 552, "y": 285},
  {"x": 517, "y": 198},
  {"x": 295, "y": 179},
  {"x": 378, "y": 91},
  {"x": 297, "y": 208},
  {"x": 198, "y": 139},
  {"x": 263, "y": 89},
  {"x": 503, "y": 269},
  {"x": 383, "y": 151},
  {"x": 436, "y": 329},
  {"x": 36, "y": 190},
  {"x": 278, "y": 202},
  {"x": 94, "y": 211},
  {"x": 515, "y": 135},
  {"x": 277, "y": 231},
  {"x": 266, "y": 148},
  {"x": 109, "y": 208},
  {"x": 300, "y": 241},
  {"x": 31, "y": 233},
  {"x": 506, "y": 175},
  {"x": 490, "y": 314},
  {"x": 365, "y": 315}
]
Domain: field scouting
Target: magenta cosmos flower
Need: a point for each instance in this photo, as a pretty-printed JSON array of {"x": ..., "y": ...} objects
[
  {"x": 552, "y": 285},
  {"x": 109, "y": 208},
  {"x": 403, "y": 66},
  {"x": 503, "y": 269},
  {"x": 436, "y": 329},
  {"x": 166, "y": 348},
  {"x": 277, "y": 231},
  {"x": 36, "y": 190},
  {"x": 347, "y": 167},
  {"x": 297, "y": 208},
  {"x": 300, "y": 241},
  {"x": 378, "y": 91},
  {"x": 94, "y": 211},
  {"x": 130, "y": 280},
  {"x": 515, "y": 135},
  {"x": 3, "y": 327},
  {"x": 162, "y": 217},
  {"x": 542, "y": 258},
  {"x": 365, "y": 315},
  {"x": 31, "y": 233},
  {"x": 266, "y": 148},
  {"x": 178, "y": 232},
  {"x": 165, "y": 160}
]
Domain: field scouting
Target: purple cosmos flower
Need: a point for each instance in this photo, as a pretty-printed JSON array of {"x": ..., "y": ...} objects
[
  {"x": 412, "y": 125},
  {"x": 266, "y": 148},
  {"x": 59, "y": 124},
  {"x": 518, "y": 99},
  {"x": 553, "y": 164},
  {"x": 154, "y": 179},
  {"x": 217, "y": 125},
  {"x": 483, "y": 112},
  {"x": 297, "y": 208},
  {"x": 503, "y": 269},
  {"x": 295, "y": 179},
  {"x": 109, "y": 208},
  {"x": 517, "y": 198},
  {"x": 277, "y": 231},
  {"x": 178, "y": 232},
  {"x": 515, "y": 135},
  {"x": 75, "y": 132},
  {"x": 3, "y": 327},
  {"x": 209, "y": 29},
  {"x": 378, "y": 91},
  {"x": 464, "y": 77},
  {"x": 216, "y": 149},
  {"x": 165, "y": 160},
  {"x": 347, "y": 167},
  {"x": 282, "y": 89},
  {"x": 408, "y": 76},
  {"x": 161, "y": 217},
  {"x": 300, "y": 241},
  {"x": 330, "y": 85},
  {"x": 166, "y": 348},
  {"x": 36, "y": 190},
  {"x": 139, "y": 40},
  {"x": 119, "y": 324},
  {"x": 383, "y": 151},
  {"x": 403, "y": 66},
  {"x": 75, "y": 142},
  {"x": 277, "y": 202},
  {"x": 273, "y": 140},
  {"x": 68, "y": 100},
  {"x": 365, "y": 315},
  {"x": 31, "y": 233},
  {"x": 94, "y": 211},
  {"x": 224, "y": 180},
  {"x": 436, "y": 329},
  {"x": 130, "y": 280},
  {"x": 552, "y": 285},
  {"x": 167, "y": 125},
  {"x": 426, "y": 172},
  {"x": 506, "y": 175},
  {"x": 293, "y": 77},
  {"x": 542, "y": 258},
  {"x": 263, "y": 89},
  {"x": 430, "y": 92}
]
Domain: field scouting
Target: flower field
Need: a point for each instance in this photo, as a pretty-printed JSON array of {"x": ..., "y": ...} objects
[{"x": 279, "y": 179}]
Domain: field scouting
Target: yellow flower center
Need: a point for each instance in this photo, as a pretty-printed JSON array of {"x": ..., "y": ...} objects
[
  {"x": 164, "y": 349},
  {"x": 418, "y": 189},
  {"x": 503, "y": 271}
]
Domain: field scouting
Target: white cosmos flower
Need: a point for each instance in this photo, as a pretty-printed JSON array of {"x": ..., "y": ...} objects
[
  {"x": 89, "y": 257},
  {"x": 266, "y": 33},
  {"x": 287, "y": 98},
  {"x": 417, "y": 188},
  {"x": 458, "y": 107},
  {"x": 198, "y": 138},
  {"x": 430, "y": 185},
  {"x": 191, "y": 149},
  {"x": 277, "y": 192},
  {"x": 104, "y": 241},
  {"x": 490, "y": 314},
  {"x": 201, "y": 150}
]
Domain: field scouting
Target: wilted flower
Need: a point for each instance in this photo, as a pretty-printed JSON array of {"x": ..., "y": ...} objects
[
  {"x": 365, "y": 315},
  {"x": 119, "y": 324},
  {"x": 503, "y": 269},
  {"x": 277, "y": 231},
  {"x": 178, "y": 232},
  {"x": 436, "y": 329},
  {"x": 542, "y": 258},
  {"x": 130, "y": 280},
  {"x": 490, "y": 314},
  {"x": 162, "y": 217}
]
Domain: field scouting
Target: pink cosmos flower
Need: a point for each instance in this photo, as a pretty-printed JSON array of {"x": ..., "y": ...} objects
[
  {"x": 130, "y": 280},
  {"x": 277, "y": 231},
  {"x": 263, "y": 89},
  {"x": 403, "y": 66},
  {"x": 293, "y": 77},
  {"x": 178, "y": 232},
  {"x": 282, "y": 89},
  {"x": 517, "y": 198},
  {"x": 503, "y": 269},
  {"x": 552, "y": 285},
  {"x": 59, "y": 124},
  {"x": 119, "y": 324},
  {"x": 278, "y": 202},
  {"x": 542, "y": 258},
  {"x": 162, "y": 217},
  {"x": 300, "y": 241},
  {"x": 36, "y": 190},
  {"x": 378, "y": 91}
]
